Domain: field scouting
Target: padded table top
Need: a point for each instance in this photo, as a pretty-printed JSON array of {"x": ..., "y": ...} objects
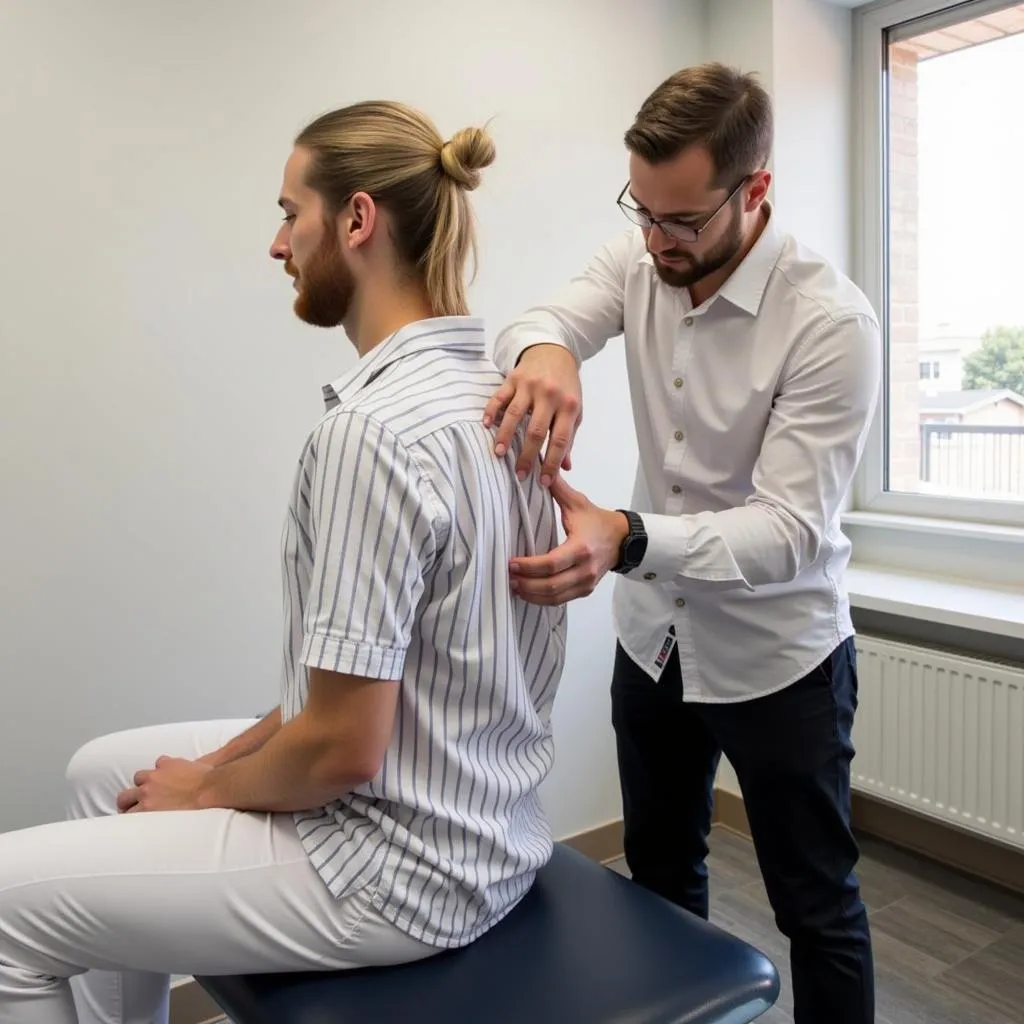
[{"x": 585, "y": 946}]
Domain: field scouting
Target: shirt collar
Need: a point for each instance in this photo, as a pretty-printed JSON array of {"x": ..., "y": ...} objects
[
  {"x": 746, "y": 285},
  {"x": 448, "y": 333}
]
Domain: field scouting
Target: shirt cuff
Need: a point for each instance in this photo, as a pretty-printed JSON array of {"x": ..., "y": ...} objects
[
  {"x": 528, "y": 337},
  {"x": 352, "y": 658},
  {"x": 689, "y": 551},
  {"x": 663, "y": 557}
]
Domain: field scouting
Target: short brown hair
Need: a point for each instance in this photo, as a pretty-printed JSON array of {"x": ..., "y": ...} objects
[
  {"x": 395, "y": 154},
  {"x": 710, "y": 105}
]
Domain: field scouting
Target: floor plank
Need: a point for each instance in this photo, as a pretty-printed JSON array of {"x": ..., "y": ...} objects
[
  {"x": 992, "y": 977},
  {"x": 948, "y": 949},
  {"x": 932, "y": 929}
]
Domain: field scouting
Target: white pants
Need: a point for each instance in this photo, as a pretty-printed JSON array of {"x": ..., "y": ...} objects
[{"x": 133, "y": 898}]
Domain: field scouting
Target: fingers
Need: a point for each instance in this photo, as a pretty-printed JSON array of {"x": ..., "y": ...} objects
[
  {"x": 504, "y": 394},
  {"x": 579, "y": 581},
  {"x": 141, "y": 777},
  {"x": 569, "y": 571},
  {"x": 536, "y": 435},
  {"x": 552, "y": 402},
  {"x": 558, "y": 560},
  {"x": 128, "y": 799},
  {"x": 510, "y": 420},
  {"x": 566, "y": 495},
  {"x": 563, "y": 430}
]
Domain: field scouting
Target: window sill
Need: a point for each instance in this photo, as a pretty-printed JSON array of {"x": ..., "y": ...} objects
[
  {"x": 954, "y": 529},
  {"x": 976, "y": 554},
  {"x": 986, "y": 608}
]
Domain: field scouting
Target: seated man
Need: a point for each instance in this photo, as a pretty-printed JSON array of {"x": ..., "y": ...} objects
[{"x": 388, "y": 809}]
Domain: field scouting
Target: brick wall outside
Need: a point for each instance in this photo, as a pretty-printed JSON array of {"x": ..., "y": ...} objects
[{"x": 904, "y": 396}]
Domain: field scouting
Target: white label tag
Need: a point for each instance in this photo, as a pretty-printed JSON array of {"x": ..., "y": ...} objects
[{"x": 666, "y": 650}]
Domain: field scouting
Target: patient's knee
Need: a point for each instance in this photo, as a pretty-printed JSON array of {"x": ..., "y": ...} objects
[
  {"x": 87, "y": 763},
  {"x": 95, "y": 777}
]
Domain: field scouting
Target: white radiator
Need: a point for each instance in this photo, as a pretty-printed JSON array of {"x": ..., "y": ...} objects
[{"x": 942, "y": 735}]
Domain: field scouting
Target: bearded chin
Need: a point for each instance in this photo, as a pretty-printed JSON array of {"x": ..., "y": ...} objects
[
  {"x": 679, "y": 277},
  {"x": 322, "y": 306},
  {"x": 697, "y": 270},
  {"x": 326, "y": 286}
]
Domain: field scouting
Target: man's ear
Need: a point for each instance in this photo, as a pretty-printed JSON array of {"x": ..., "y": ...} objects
[
  {"x": 760, "y": 183},
  {"x": 359, "y": 221}
]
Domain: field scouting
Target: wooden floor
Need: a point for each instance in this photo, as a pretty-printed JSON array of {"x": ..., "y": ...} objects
[{"x": 948, "y": 949}]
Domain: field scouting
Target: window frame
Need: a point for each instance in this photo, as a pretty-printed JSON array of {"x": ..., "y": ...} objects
[{"x": 872, "y": 27}]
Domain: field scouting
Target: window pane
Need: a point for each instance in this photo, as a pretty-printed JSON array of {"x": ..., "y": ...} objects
[{"x": 955, "y": 274}]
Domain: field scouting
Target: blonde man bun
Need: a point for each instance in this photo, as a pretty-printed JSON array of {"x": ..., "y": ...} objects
[{"x": 465, "y": 154}]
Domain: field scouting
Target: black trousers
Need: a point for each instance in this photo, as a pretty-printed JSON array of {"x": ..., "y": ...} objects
[{"x": 792, "y": 752}]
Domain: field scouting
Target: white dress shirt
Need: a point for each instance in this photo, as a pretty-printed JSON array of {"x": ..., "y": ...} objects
[
  {"x": 751, "y": 413},
  {"x": 396, "y": 549}
]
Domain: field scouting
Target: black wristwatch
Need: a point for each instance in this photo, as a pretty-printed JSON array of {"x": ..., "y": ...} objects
[{"x": 634, "y": 547}]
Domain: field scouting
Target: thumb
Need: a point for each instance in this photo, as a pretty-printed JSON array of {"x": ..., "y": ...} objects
[{"x": 568, "y": 498}]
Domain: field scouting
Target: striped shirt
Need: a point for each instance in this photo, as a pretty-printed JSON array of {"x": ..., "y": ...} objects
[{"x": 396, "y": 548}]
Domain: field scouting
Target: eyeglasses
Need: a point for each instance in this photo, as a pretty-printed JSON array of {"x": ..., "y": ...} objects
[{"x": 672, "y": 228}]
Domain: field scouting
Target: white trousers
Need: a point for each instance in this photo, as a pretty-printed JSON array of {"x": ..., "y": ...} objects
[{"x": 134, "y": 898}]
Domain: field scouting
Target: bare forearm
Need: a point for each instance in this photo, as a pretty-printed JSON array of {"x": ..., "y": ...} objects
[
  {"x": 247, "y": 742},
  {"x": 296, "y": 769}
]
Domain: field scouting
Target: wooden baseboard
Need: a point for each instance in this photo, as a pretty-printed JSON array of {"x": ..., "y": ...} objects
[
  {"x": 730, "y": 813},
  {"x": 947, "y": 844},
  {"x": 602, "y": 844},
  {"x": 191, "y": 1005}
]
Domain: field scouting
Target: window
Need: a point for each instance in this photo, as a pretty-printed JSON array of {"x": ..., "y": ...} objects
[{"x": 940, "y": 256}]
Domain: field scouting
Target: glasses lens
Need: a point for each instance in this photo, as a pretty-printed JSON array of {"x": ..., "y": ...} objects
[
  {"x": 679, "y": 232},
  {"x": 635, "y": 215}
]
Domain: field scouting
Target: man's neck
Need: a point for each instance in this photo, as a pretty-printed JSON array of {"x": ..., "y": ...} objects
[
  {"x": 377, "y": 313},
  {"x": 702, "y": 290}
]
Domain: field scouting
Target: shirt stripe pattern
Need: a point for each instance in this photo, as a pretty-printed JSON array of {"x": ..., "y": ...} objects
[{"x": 395, "y": 551}]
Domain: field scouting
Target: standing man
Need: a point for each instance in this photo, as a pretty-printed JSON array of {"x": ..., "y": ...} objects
[{"x": 754, "y": 369}]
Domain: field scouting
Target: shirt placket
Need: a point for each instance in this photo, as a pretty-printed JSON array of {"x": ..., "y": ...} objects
[
  {"x": 675, "y": 453},
  {"x": 675, "y": 443}
]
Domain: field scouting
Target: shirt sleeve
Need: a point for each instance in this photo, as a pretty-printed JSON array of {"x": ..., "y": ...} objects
[
  {"x": 587, "y": 312},
  {"x": 376, "y": 533},
  {"x": 814, "y": 439}
]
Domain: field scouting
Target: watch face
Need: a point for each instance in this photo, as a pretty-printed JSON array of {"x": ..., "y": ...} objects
[{"x": 634, "y": 550}]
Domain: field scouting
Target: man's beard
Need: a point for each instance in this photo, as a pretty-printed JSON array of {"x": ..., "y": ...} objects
[
  {"x": 326, "y": 285},
  {"x": 697, "y": 269}
]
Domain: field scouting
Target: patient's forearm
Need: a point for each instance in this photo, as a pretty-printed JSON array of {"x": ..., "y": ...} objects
[
  {"x": 247, "y": 742},
  {"x": 301, "y": 767}
]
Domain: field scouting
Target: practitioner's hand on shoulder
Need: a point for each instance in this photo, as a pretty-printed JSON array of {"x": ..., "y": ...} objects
[{"x": 546, "y": 385}]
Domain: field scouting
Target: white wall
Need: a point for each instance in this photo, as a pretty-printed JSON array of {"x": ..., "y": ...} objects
[
  {"x": 154, "y": 385},
  {"x": 812, "y": 86},
  {"x": 740, "y": 35}
]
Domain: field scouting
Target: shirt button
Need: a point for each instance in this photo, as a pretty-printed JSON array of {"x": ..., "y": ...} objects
[
  {"x": 650, "y": 575},
  {"x": 678, "y": 382},
  {"x": 680, "y": 602},
  {"x": 678, "y": 435},
  {"x": 688, "y": 321},
  {"x": 676, "y": 489}
]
